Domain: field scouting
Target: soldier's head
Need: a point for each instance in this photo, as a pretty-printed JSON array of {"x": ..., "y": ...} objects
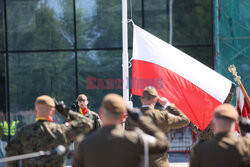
[
  {"x": 225, "y": 119},
  {"x": 149, "y": 96},
  {"x": 44, "y": 106},
  {"x": 112, "y": 109},
  {"x": 82, "y": 101}
]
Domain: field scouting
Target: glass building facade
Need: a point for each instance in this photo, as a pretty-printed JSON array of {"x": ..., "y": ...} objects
[{"x": 54, "y": 46}]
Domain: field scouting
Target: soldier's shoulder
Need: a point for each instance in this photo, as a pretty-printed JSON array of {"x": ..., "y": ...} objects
[
  {"x": 93, "y": 113},
  {"x": 28, "y": 128},
  {"x": 244, "y": 144},
  {"x": 155, "y": 113},
  {"x": 52, "y": 127},
  {"x": 149, "y": 111}
]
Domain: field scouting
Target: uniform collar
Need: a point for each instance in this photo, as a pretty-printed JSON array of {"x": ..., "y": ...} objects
[
  {"x": 147, "y": 106},
  {"x": 43, "y": 119},
  {"x": 84, "y": 111}
]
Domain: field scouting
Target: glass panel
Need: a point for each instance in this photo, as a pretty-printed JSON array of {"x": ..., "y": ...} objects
[
  {"x": 202, "y": 54},
  {"x": 3, "y": 136},
  {"x": 2, "y": 35},
  {"x": 99, "y": 23},
  {"x": 191, "y": 21},
  {"x": 2, "y": 83},
  {"x": 40, "y": 24},
  {"x": 136, "y": 16},
  {"x": 100, "y": 72},
  {"x": 156, "y": 18},
  {"x": 34, "y": 74}
]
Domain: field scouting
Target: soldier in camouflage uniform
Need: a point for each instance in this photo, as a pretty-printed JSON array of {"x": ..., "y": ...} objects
[
  {"x": 82, "y": 107},
  {"x": 46, "y": 135}
]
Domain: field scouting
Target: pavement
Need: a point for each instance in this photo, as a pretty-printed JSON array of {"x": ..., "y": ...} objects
[{"x": 175, "y": 159}]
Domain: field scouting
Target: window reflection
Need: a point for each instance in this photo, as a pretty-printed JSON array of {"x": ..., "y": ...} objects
[
  {"x": 40, "y": 24},
  {"x": 2, "y": 35},
  {"x": 34, "y": 74}
]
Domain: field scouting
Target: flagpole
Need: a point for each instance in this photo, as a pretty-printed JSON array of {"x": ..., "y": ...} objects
[
  {"x": 237, "y": 78},
  {"x": 125, "y": 72}
]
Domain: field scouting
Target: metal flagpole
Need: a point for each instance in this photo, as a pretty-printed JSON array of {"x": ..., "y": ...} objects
[{"x": 125, "y": 72}]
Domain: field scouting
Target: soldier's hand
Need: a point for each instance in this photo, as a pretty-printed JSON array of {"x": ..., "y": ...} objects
[
  {"x": 163, "y": 101},
  {"x": 73, "y": 107},
  {"x": 60, "y": 106},
  {"x": 134, "y": 113}
]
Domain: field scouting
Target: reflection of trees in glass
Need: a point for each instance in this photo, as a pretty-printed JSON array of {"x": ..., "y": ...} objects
[
  {"x": 34, "y": 25},
  {"x": 33, "y": 74},
  {"x": 1, "y": 26},
  {"x": 2, "y": 41},
  {"x": 2, "y": 102},
  {"x": 105, "y": 27},
  {"x": 192, "y": 22}
]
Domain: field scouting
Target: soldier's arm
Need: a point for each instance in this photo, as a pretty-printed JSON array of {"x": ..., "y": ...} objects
[
  {"x": 14, "y": 148},
  {"x": 194, "y": 127},
  {"x": 129, "y": 124},
  {"x": 97, "y": 122},
  {"x": 76, "y": 124},
  {"x": 157, "y": 141},
  {"x": 176, "y": 119}
]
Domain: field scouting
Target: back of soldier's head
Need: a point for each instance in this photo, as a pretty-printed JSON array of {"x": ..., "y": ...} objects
[
  {"x": 44, "y": 104},
  {"x": 225, "y": 117},
  {"x": 113, "y": 106},
  {"x": 149, "y": 94}
]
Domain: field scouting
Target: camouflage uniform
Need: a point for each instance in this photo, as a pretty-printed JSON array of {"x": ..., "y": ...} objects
[
  {"x": 45, "y": 135},
  {"x": 202, "y": 135},
  {"x": 95, "y": 119}
]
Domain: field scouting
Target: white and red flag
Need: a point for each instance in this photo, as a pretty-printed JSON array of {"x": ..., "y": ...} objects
[
  {"x": 191, "y": 86},
  {"x": 242, "y": 106}
]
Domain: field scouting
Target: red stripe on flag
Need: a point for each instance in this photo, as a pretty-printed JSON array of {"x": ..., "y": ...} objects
[{"x": 195, "y": 103}]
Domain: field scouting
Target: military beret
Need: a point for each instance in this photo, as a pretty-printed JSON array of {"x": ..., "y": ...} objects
[
  {"x": 82, "y": 97},
  {"x": 151, "y": 90},
  {"x": 114, "y": 103},
  {"x": 44, "y": 99},
  {"x": 226, "y": 110}
]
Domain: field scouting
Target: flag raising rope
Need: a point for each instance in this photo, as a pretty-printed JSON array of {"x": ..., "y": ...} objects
[{"x": 190, "y": 85}]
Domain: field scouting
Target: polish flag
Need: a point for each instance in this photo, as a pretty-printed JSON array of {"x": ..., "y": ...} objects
[
  {"x": 190, "y": 85},
  {"x": 242, "y": 107}
]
